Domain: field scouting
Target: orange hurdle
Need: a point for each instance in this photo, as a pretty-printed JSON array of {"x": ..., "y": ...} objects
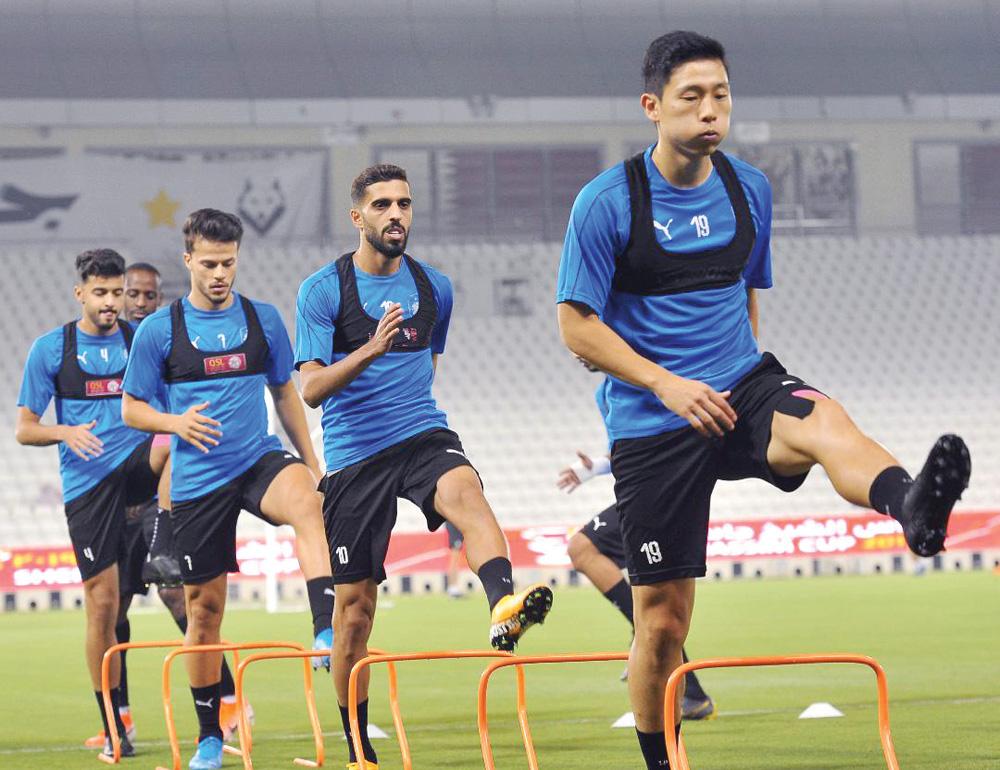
[
  {"x": 106, "y": 689},
  {"x": 519, "y": 661},
  {"x": 313, "y": 717},
  {"x": 243, "y": 725},
  {"x": 116, "y": 743},
  {"x": 676, "y": 753},
  {"x": 372, "y": 657}
]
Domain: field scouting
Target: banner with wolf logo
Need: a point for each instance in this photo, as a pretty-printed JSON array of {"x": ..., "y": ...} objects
[{"x": 141, "y": 197}]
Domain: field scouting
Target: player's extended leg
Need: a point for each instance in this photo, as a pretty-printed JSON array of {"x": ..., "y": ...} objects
[
  {"x": 173, "y": 600},
  {"x": 865, "y": 474},
  {"x": 662, "y": 618},
  {"x": 458, "y": 497},
  {"x": 205, "y": 604},
  {"x": 100, "y": 601},
  {"x": 454, "y": 560},
  {"x": 597, "y": 567},
  {"x": 353, "y": 616},
  {"x": 161, "y": 564},
  {"x": 291, "y": 498}
]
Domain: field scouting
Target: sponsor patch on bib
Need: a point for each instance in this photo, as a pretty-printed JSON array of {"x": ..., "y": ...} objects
[
  {"x": 111, "y": 386},
  {"x": 224, "y": 364}
]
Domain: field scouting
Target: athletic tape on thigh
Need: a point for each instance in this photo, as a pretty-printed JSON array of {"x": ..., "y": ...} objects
[{"x": 800, "y": 403}]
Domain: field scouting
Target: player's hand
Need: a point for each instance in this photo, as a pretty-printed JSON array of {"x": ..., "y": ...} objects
[
  {"x": 387, "y": 329},
  {"x": 196, "y": 428},
  {"x": 707, "y": 410},
  {"x": 314, "y": 469},
  {"x": 568, "y": 478},
  {"x": 82, "y": 442}
]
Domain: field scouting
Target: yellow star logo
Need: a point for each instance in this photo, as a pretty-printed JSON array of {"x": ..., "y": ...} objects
[{"x": 161, "y": 210}]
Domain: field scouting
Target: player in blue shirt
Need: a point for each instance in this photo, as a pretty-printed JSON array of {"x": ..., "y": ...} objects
[
  {"x": 662, "y": 258},
  {"x": 597, "y": 551},
  {"x": 369, "y": 329},
  {"x": 105, "y": 465},
  {"x": 216, "y": 351}
]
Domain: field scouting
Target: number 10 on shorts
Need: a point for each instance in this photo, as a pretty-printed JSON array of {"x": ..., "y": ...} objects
[
  {"x": 341, "y": 554},
  {"x": 652, "y": 551}
]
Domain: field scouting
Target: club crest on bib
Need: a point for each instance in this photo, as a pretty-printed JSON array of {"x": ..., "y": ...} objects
[{"x": 235, "y": 362}]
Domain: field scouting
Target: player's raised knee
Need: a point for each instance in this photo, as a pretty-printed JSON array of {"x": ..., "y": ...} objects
[{"x": 580, "y": 549}]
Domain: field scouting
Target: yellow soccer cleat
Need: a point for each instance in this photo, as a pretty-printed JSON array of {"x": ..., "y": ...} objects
[
  {"x": 357, "y": 766},
  {"x": 516, "y": 613}
]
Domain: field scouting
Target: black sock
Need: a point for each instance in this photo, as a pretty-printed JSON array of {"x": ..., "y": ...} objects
[
  {"x": 654, "y": 748},
  {"x": 497, "y": 578},
  {"x": 227, "y": 686},
  {"x": 206, "y": 703},
  {"x": 620, "y": 595},
  {"x": 115, "y": 705},
  {"x": 123, "y": 633},
  {"x": 366, "y": 744},
  {"x": 320, "y": 591},
  {"x": 888, "y": 490},
  {"x": 692, "y": 687}
]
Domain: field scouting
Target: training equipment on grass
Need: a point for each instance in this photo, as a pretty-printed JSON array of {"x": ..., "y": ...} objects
[
  {"x": 389, "y": 659},
  {"x": 246, "y": 740},
  {"x": 821, "y": 711},
  {"x": 243, "y": 724},
  {"x": 625, "y": 720},
  {"x": 519, "y": 661},
  {"x": 113, "y": 650},
  {"x": 675, "y": 747}
]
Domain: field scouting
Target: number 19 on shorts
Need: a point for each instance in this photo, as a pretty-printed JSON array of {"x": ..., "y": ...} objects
[{"x": 652, "y": 552}]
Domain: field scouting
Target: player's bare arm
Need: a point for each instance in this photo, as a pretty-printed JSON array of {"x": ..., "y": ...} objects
[
  {"x": 320, "y": 382},
  {"x": 192, "y": 426},
  {"x": 31, "y": 432},
  {"x": 584, "y": 333},
  {"x": 288, "y": 405},
  {"x": 753, "y": 310}
]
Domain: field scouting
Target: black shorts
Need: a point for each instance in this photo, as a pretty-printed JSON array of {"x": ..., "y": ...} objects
[
  {"x": 455, "y": 538},
  {"x": 96, "y": 519},
  {"x": 605, "y": 532},
  {"x": 359, "y": 501},
  {"x": 664, "y": 483},
  {"x": 205, "y": 527},
  {"x": 136, "y": 547}
]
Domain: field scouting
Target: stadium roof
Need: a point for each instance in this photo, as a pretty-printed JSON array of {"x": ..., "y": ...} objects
[{"x": 447, "y": 49}]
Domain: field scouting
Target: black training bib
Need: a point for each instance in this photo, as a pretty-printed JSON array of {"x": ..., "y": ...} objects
[
  {"x": 354, "y": 327},
  {"x": 188, "y": 364},
  {"x": 74, "y": 383},
  {"x": 646, "y": 268}
]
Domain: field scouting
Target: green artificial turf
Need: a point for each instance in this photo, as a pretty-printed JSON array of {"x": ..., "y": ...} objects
[{"x": 937, "y": 636}]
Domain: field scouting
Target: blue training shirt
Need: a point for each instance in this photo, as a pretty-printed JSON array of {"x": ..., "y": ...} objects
[
  {"x": 236, "y": 402},
  {"x": 96, "y": 355},
  {"x": 702, "y": 335},
  {"x": 391, "y": 400}
]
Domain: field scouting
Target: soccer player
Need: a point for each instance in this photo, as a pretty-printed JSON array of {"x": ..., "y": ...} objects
[
  {"x": 661, "y": 262},
  {"x": 147, "y": 526},
  {"x": 597, "y": 551},
  {"x": 369, "y": 328},
  {"x": 215, "y": 351},
  {"x": 104, "y": 464}
]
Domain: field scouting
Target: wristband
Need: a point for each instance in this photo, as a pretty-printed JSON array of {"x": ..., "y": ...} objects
[{"x": 599, "y": 467}]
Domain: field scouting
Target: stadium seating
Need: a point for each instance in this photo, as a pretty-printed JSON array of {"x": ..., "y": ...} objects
[{"x": 900, "y": 329}]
